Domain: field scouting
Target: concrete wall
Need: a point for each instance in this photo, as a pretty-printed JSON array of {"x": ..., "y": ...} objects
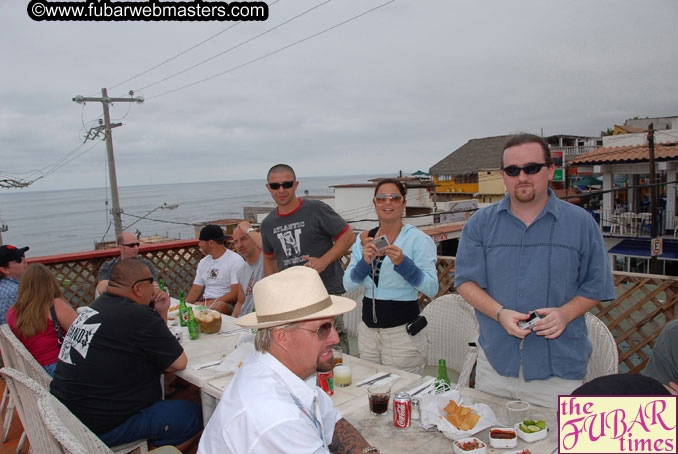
[
  {"x": 659, "y": 123},
  {"x": 660, "y": 136}
]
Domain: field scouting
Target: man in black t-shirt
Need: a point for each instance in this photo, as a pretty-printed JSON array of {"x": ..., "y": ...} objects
[{"x": 109, "y": 367}]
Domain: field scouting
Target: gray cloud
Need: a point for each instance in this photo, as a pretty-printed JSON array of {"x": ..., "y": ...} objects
[{"x": 396, "y": 89}]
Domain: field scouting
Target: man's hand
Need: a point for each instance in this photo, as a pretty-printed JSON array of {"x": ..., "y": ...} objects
[
  {"x": 672, "y": 387},
  {"x": 317, "y": 263},
  {"x": 553, "y": 322},
  {"x": 161, "y": 302},
  {"x": 508, "y": 319}
]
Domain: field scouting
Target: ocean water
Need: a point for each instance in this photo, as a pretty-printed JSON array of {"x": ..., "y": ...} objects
[{"x": 59, "y": 222}]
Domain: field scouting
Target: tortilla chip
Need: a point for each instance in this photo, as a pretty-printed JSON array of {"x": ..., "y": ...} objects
[{"x": 460, "y": 417}]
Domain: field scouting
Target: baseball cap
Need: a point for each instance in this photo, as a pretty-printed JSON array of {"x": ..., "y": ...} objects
[
  {"x": 214, "y": 233},
  {"x": 9, "y": 253}
]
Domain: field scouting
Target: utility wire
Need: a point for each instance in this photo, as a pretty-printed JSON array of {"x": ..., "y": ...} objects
[
  {"x": 242, "y": 43},
  {"x": 275, "y": 51},
  {"x": 209, "y": 38}
]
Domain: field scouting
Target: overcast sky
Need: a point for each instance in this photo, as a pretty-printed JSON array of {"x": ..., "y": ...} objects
[{"x": 398, "y": 88}]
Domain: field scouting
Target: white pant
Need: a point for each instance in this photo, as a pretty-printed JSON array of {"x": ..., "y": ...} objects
[
  {"x": 539, "y": 392},
  {"x": 394, "y": 347}
]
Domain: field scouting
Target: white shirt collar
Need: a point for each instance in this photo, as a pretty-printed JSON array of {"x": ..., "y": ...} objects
[{"x": 304, "y": 390}]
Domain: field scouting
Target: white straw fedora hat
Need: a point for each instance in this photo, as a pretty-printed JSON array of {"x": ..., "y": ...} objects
[{"x": 292, "y": 295}]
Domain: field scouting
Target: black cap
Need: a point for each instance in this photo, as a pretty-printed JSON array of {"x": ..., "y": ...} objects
[
  {"x": 214, "y": 233},
  {"x": 622, "y": 385},
  {"x": 9, "y": 253}
]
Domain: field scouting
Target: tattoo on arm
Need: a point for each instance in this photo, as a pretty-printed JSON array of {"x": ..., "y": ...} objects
[{"x": 346, "y": 439}]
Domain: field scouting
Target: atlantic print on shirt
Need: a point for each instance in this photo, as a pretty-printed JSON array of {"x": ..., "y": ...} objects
[
  {"x": 79, "y": 336},
  {"x": 289, "y": 236}
]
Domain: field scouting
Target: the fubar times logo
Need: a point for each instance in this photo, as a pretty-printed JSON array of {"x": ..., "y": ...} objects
[{"x": 617, "y": 424}]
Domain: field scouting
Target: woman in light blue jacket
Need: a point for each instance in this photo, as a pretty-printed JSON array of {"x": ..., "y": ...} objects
[{"x": 390, "y": 332}]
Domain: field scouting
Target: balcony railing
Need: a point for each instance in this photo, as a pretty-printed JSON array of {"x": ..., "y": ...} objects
[
  {"x": 635, "y": 224},
  {"x": 644, "y": 304}
]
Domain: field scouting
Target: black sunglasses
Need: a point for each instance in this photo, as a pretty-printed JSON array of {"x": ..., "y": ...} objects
[
  {"x": 148, "y": 279},
  {"x": 131, "y": 244},
  {"x": 323, "y": 330},
  {"x": 530, "y": 169},
  {"x": 284, "y": 184}
]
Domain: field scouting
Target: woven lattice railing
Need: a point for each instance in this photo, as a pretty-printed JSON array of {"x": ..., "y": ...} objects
[
  {"x": 644, "y": 304},
  {"x": 175, "y": 261}
]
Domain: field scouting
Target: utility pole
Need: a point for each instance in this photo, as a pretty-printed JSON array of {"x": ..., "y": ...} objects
[
  {"x": 653, "y": 198},
  {"x": 105, "y": 101}
]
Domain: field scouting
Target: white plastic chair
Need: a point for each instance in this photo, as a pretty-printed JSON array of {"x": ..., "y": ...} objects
[
  {"x": 22, "y": 360},
  {"x": 17, "y": 356},
  {"x": 352, "y": 319},
  {"x": 26, "y": 392},
  {"x": 39, "y": 435},
  {"x": 604, "y": 359},
  {"x": 452, "y": 325},
  {"x": 72, "y": 435}
]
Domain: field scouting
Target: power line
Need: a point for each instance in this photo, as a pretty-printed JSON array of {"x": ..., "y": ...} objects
[
  {"x": 242, "y": 43},
  {"x": 209, "y": 38},
  {"x": 275, "y": 51}
]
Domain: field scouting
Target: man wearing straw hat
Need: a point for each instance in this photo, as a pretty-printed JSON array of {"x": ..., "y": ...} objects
[{"x": 273, "y": 405}]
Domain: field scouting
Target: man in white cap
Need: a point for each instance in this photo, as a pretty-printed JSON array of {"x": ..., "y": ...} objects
[{"x": 273, "y": 405}]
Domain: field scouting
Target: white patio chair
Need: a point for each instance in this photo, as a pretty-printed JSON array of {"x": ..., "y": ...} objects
[
  {"x": 18, "y": 357},
  {"x": 604, "y": 358},
  {"x": 22, "y": 360},
  {"x": 39, "y": 435},
  {"x": 452, "y": 325},
  {"x": 26, "y": 392},
  {"x": 352, "y": 319},
  {"x": 73, "y": 436}
]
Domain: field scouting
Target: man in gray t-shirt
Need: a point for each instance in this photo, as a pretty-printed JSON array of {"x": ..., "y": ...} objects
[
  {"x": 247, "y": 243},
  {"x": 304, "y": 232}
]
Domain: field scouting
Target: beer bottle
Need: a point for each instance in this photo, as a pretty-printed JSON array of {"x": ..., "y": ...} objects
[
  {"x": 442, "y": 383},
  {"x": 183, "y": 310},
  {"x": 161, "y": 284},
  {"x": 193, "y": 328}
]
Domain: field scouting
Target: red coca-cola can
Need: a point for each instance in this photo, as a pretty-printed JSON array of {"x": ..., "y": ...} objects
[
  {"x": 325, "y": 381},
  {"x": 402, "y": 410}
]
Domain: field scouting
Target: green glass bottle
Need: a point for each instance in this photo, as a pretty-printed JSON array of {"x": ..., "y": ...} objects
[
  {"x": 442, "y": 383},
  {"x": 161, "y": 284},
  {"x": 183, "y": 310},
  {"x": 193, "y": 328}
]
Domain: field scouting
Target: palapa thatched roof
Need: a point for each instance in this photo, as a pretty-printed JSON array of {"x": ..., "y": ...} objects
[{"x": 476, "y": 154}]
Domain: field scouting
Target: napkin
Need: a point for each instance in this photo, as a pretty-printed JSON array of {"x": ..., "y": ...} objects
[
  {"x": 383, "y": 381},
  {"x": 424, "y": 386},
  {"x": 235, "y": 359},
  {"x": 433, "y": 414}
]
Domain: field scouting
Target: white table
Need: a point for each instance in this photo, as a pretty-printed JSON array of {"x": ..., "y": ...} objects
[
  {"x": 208, "y": 348},
  {"x": 352, "y": 402}
]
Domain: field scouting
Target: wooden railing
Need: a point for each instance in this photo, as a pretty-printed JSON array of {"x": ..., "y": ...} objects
[
  {"x": 644, "y": 304},
  {"x": 175, "y": 261}
]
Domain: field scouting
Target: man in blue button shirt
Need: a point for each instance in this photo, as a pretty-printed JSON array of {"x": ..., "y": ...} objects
[{"x": 532, "y": 252}]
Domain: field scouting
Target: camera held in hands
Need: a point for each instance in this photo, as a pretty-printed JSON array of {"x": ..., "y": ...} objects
[
  {"x": 530, "y": 322},
  {"x": 381, "y": 243}
]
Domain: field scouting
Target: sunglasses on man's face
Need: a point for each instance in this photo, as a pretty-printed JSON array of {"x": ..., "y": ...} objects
[
  {"x": 381, "y": 198},
  {"x": 530, "y": 169},
  {"x": 284, "y": 184},
  {"x": 323, "y": 330},
  {"x": 130, "y": 245},
  {"x": 148, "y": 279}
]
